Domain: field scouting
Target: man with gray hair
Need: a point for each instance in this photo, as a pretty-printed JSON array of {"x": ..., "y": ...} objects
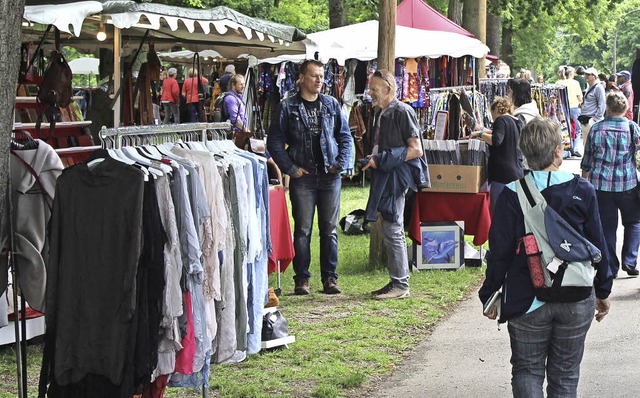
[
  {"x": 170, "y": 98},
  {"x": 229, "y": 71},
  {"x": 396, "y": 160}
]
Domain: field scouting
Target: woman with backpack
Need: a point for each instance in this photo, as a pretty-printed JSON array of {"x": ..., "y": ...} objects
[
  {"x": 547, "y": 338},
  {"x": 505, "y": 159}
]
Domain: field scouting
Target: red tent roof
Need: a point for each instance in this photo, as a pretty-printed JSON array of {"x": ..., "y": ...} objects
[{"x": 420, "y": 15}]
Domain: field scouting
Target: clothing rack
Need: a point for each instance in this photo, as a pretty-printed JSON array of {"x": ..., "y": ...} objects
[{"x": 169, "y": 131}]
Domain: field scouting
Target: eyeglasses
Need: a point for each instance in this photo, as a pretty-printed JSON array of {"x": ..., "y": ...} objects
[{"x": 381, "y": 76}]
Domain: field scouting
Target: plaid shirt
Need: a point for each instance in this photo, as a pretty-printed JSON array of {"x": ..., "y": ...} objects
[{"x": 609, "y": 155}]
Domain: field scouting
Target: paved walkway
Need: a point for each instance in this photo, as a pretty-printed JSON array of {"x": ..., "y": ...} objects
[{"x": 466, "y": 356}]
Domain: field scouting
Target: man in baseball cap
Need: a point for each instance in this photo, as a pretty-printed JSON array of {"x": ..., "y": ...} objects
[
  {"x": 624, "y": 84},
  {"x": 593, "y": 103}
]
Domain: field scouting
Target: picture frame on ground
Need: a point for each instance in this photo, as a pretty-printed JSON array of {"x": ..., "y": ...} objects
[{"x": 442, "y": 246}]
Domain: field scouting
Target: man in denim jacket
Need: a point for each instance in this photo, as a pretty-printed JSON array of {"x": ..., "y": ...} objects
[{"x": 310, "y": 140}]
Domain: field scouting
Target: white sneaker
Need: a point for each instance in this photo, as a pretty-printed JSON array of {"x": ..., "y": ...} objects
[{"x": 394, "y": 293}]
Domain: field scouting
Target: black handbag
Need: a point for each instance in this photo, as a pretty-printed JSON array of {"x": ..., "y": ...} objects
[
  {"x": 274, "y": 326},
  {"x": 203, "y": 95},
  {"x": 584, "y": 119}
]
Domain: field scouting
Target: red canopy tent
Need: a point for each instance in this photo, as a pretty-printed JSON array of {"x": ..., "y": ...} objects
[{"x": 420, "y": 15}]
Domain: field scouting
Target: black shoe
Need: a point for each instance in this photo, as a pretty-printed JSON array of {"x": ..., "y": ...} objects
[
  {"x": 631, "y": 271},
  {"x": 386, "y": 289},
  {"x": 576, "y": 154},
  {"x": 302, "y": 287},
  {"x": 330, "y": 286}
]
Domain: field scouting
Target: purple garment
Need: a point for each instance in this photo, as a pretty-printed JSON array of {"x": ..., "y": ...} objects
[{"x": 235, "y": 109}]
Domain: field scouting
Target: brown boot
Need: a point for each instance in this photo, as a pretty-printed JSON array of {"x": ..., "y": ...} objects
[
  {"x": 273, "y": 300},
  {"x": 330, "y": 286},
  {"x": 302, "y": 287}
]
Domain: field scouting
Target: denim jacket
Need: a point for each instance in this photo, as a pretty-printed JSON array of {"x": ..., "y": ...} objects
[
  {"x": 390, "y": 179},
  {"x": 289, "y": 126}
]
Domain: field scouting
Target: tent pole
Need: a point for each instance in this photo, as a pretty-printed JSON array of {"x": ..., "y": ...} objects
[{"x": 117, "y": 75}]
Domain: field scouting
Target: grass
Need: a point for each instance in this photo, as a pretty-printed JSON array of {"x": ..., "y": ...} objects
[{"x": 344, "y": 343}]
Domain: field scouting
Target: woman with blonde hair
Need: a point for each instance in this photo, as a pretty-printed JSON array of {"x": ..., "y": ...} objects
[{"x": 505, "y": 159}]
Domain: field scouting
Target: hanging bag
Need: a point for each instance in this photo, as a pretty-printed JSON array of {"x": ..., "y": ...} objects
[
  {"x": 55, "y": 91},
  {"x": 202, "y": 94}
]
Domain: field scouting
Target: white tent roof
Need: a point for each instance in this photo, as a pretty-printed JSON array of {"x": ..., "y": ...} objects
[
  {"x": 84, "y": 66},
  {"x": 360, "y": 41},
  {"x": 186, "y": 56}
]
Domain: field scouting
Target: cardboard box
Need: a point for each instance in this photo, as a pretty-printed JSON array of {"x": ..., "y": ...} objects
[{"x": 457, "y": 178}]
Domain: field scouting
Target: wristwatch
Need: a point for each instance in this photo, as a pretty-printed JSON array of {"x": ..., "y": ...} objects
[{"x": 481, "y": 133}]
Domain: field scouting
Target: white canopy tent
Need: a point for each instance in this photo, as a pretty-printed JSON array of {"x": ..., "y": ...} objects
[
  {"x": 227, "y": 31},
  {"x": 186, "y": 56},
  {"x": 126, "y": 23},
  {"x": 360, "y": 41},
  {"x": 84, "y": 66}
]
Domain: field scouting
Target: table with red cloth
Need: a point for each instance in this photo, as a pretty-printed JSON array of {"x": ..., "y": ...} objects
[
  {"x": 280, "y": 228},
  {"x": 472, "y": 208}
]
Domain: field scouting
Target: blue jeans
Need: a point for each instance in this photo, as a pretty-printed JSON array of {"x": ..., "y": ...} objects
[
  {"x": 395, "y": 242},
  {"x": 313, "y": 190},
  {"x": 609, "y": 203},
  {"x": 575, "y": 143},
  {"x": 193, "y": 111},
  {"x": 554, "y": 335}
]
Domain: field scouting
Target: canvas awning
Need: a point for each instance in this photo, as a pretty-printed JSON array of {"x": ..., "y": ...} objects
[
  {"x": 186, "y": 56},
  {"x": 226, "y": 31},
  {"x": 362, "y": 43},
  {"x": 420, "y": 15}
]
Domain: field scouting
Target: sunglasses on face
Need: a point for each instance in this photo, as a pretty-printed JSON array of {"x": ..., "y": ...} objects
[{"x": 381, "y": 76}]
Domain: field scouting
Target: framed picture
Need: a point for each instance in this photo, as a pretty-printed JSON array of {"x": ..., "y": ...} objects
[
  {"x": 442, "y": 245},
  {"x": 442, "y": 118}
]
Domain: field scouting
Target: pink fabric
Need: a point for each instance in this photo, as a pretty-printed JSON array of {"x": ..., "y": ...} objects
[
  {"x": 184, "y": 359},
  {"x": 280, "y": 230}
]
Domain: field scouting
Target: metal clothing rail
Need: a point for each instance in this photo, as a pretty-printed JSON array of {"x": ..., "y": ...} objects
[
  {"x": 437, "y": 89},
  {"x": 120, "y": 132}
]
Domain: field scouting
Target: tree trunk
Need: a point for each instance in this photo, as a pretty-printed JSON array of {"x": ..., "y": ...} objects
[
  {"x": 387, "y": 35},
  {"x": 386, "y": 60},
  {"x": 454, "y": 12},
  {"x": 507, "y": 43},
  {"x": 474, "y": 19},
  {"x": 336, "y": 11},
  {"x": 493, "y": 34},
  {"x": 10, "y": 26}
]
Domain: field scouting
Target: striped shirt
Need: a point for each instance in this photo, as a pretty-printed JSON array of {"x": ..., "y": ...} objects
[{"x": 609, "y": 155}]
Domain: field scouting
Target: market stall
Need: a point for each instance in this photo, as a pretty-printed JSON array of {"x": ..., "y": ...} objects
[{"x": 127, "y": 27}]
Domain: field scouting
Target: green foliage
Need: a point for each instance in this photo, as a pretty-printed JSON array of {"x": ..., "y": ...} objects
[{"x": 307, "y": 15}]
